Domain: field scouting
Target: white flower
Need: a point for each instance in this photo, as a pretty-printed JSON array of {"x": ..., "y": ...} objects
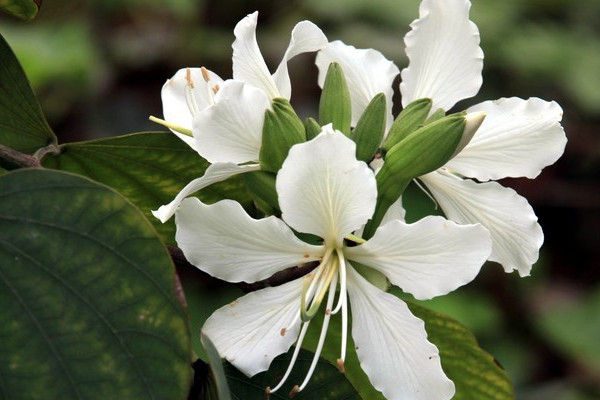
[
  {"x": 517, "y": 138},
  {"x": 226, "y": 117},
  {"x": 324, "y": 191}
]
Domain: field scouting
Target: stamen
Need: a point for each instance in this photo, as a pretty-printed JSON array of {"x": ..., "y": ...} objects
[
  {"x": 307, "y": 291},
  {"x": 171, "y": 125},
  {"x": 205, "y": 74},
  {"x": 323, "y": 333},
  {"x": 424, "y": 190},
  {"x": 342, "y": 271},
  {"x": 343, "y": 301},
  {"x": 331, "y": 268},
  {"x": 190, "y": 99},
  {"x": 295, "y": 390},
  {"x": 188, "y": 78},
  {"x": 340, "y": 365},
  {"x": 216, "y": 88},
  {"x": 267, "y": 393},
  {"x": 293, "y": 360}
]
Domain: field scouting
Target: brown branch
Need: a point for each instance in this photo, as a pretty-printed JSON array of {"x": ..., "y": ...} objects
[{"x": 18, "y": 159}]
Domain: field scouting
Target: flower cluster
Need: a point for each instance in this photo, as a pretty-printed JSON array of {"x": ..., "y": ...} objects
[{"x": 334, "y": 191}]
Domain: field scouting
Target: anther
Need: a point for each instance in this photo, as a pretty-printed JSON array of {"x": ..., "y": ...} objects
[
  {"x": 205, "y": 74},
  {"x": 188, "y": 78},
  {"x": 328, "y": 312},
  {"x": 282, "y": 331},
  {"x": 340, "y": 365},
  {"x": 215, "y": 89},
  {"x": 295, "y": 390},
  {"x": 267, "y": 392}
]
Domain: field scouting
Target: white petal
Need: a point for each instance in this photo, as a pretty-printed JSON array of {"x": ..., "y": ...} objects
[
  {"x": 445, "y": 60},
  {"x": 224, "y": 241},
  {"x": 367, "y": 74},
  {"x": 248, "y": 332},
  {"x": 429, "y": 258},
  {"x": 323, "y": 189},
  {"x": 517, "y": 138},
  {"x": 175, "y": 105},
  {"x": 248, "y": 63},
  {"x": 231, "y": 129},
  {"x": 213, "y": 174},
  {"x": 392, "y": 345},
  {"x": 306, "y": 37},
  {"x": 516, "y": 235}
]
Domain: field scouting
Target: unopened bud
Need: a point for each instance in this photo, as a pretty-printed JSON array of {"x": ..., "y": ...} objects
[{"x": 473, "y": 122}]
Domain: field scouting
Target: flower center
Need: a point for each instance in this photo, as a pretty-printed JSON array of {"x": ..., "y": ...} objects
[{"x": 323, "y": 281}]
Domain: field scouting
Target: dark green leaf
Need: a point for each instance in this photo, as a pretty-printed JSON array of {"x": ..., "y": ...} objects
[
  {"x": 87, "y": 303},
  {"x": 370, "y": 129},
  {"x": 149, "y": 168},
  {"x": 335, "y": 104},
  {"x": 409, "y": 120},
  {"x": 327, "y": 383},
  {"x": 282, "y": 130},
  {"x": 24, "y": 9},
  {"x": 475, "y": 373},
  {"x": 23, "y": 126}
]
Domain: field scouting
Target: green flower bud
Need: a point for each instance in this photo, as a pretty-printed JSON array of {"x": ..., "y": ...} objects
[{"x": 335, "y": 106}]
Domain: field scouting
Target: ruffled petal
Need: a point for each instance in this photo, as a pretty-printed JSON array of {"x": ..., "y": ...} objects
[
  {"x": 248, "y": 63},
  {"x": 392, "y": 345},
  {"x": 306, "y": 37},
  {"x": 445, "y": 60},
  {"x": 367, "y": 74},
  {"x": 429, "y": 258},
  {"x": 517, "y": 138},
  {"x": 516, "y": 235},
  {"x": 256, "y": 328},
  {"x": 213, "y": 174},
  {"x": 224, "y": 241},
  {"x": 231, "y": 129},
  {"x": 323, "y": 189},
  {"x": 175, "y": 104}
]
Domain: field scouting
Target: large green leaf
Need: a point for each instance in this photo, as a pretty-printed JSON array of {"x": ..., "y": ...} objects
[
  {"x": 474, "y": 372},
  {"x": 87, "y": 304},
  {"x": 573, "y": 326},
  {"x": 22, "y": 123},
  {"x": 24, "y": 9},
  {"x": 149, "y": 168},
  {"x": 327, "y": 383}
]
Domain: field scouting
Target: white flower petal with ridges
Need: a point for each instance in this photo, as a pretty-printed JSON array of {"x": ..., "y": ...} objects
[
  {"x": 392, "y": 345},
  {"x": 176, "y": 109},
  {"x": 445, "y": 60},
  {"x": 248, "y": 63},
  {"x": 517, "y": 138},
  {"x": 324, "y": 190},
  {"x": 213, "y": 174},
  {"x": 429, "y": 258},
  {"x": 256, "y": 328},
  {"x": 516, "y": 235},
  {"x": 306, "y": 37},
  {"x": 231, "y": 129},
  {"x": 224, "y": 241},
  {"x": 367, "y": 74}
]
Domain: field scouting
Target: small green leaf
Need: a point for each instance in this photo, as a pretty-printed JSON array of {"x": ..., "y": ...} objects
[
  {"x": 312, "y": 128},
  {"x": 87, "y": 302},
  {"x": 216, "y": 368},
  {"x": 327, "y": 383},
  {"x": 335, "y": 104},
  {"x": 24, "y": 127},
  {"x": 475, "y": 373},
  {"x": 282, "y": 130},
  {"x": 24, "y": 9},
  {"x": 409, "y": 120},
  {"x": 370, "y": 129},
  {"x": 425, "y": 150},
  {"x": 261, "y": 185},
  {"x": 149, "y": 168}
]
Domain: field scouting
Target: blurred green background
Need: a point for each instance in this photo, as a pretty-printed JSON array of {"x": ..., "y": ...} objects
[{"x": 98, "y": 67}]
